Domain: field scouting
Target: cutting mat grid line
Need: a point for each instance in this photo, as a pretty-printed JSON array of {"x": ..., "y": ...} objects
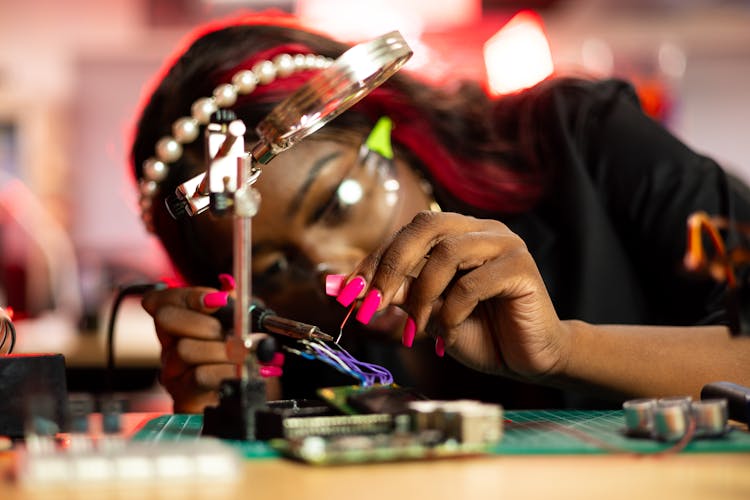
[{"x": 527, "y": 432}]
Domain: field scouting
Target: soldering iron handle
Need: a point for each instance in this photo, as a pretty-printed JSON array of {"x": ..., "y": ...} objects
[{"x": 258, "y": 313}]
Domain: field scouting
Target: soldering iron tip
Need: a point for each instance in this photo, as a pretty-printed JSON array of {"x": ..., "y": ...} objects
[{"x": 317, "y": 334}]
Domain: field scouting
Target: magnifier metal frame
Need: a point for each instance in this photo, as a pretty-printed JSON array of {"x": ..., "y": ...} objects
[{"x": 326, "y": 95}]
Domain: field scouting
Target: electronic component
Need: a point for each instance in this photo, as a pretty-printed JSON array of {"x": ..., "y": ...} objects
[
  {"x": 193, "y": 461},
  {"x": 738, "y": 398},
  {"x": 429, "y": 429},
  {"x": 271, "y": 420},
  {"x": 671, "y": 419},
  {"x": 353, "y": 399}
]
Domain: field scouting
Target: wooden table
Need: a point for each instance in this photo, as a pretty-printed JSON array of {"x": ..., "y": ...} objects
[{"x": 608, "y": 477}]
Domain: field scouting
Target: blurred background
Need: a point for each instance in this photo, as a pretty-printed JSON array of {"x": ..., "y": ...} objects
[{"x": 72, "y": 72}]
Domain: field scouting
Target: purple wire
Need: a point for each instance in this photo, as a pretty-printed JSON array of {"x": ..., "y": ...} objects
[
  {"x": 369, "y": 373},
  {"x": 379, "y": 374},
  {"x": 322, "y": 355}
]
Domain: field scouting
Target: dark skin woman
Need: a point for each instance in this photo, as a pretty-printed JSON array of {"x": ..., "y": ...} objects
[{"x": 537, "y": 240}]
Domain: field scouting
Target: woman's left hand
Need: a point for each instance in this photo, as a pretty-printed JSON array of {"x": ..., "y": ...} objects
[{"x": 478, "y": 292}]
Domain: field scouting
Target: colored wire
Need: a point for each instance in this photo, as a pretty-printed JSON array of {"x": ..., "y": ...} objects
[
  {"x": 343, "y": 323},
  {"x": 334, "y": 355}
]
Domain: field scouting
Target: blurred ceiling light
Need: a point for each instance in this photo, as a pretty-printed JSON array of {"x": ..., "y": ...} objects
[
  {"x": 357, "y": 21},
  {"x": 518, "y": 56},
  {"x": 362, "y": 19}
]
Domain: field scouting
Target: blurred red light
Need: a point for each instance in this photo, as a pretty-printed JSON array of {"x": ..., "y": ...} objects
[{"x": 518, "y": 55}]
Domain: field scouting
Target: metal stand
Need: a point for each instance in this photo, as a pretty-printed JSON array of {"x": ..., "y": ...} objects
[{"x": 242, "y": 397}]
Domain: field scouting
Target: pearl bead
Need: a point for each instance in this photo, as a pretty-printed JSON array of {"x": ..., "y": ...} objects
[
  {"x": 146, "y": 202},
  {"x": 155, "y": 170},
  {"x": 300, "y": 61},
  {"x": 284, "y": 65},
  {"x": 265, "y": 71},
  {"x": 185, "y": 130},
  {"x": 310, "y": 61},
  {"x": 168, "y": 150},
  {"x": 202, "y": 110},
  {"x": 245, "y": 81},
  {"x": 148, "y": 188},
  {"x": 225, "y": 95}
]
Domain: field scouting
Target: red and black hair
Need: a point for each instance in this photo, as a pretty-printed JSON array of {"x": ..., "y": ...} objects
[{"x": 474, "y": 150}]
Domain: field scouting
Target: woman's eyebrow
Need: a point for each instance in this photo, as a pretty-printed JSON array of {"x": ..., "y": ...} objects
[{"x": 311, "y": 174}]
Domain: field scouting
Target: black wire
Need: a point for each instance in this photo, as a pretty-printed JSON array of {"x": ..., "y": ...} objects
[
  {"x": 7, "y": 326},
  {"x": 122, "y": 293}
]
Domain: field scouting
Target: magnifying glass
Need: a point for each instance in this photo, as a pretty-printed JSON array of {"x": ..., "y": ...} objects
[{"x": 326, "y": 95}]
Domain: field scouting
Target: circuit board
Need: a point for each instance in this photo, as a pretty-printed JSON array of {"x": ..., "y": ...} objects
[{"x": 526, "y": 432}]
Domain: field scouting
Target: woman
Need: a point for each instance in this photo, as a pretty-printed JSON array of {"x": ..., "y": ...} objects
[{"x": 560, "y": 234}]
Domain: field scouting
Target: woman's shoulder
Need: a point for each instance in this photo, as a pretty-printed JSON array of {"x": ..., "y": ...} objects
[
  {"x": 582, "y": 89},
  {"x": 566, "y": 101}
]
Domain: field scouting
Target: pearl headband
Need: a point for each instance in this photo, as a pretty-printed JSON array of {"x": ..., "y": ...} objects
[{"x": 186, "y": 129}]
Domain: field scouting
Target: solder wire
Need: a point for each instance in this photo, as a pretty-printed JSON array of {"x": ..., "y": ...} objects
[{"x": 343, "y": 323}]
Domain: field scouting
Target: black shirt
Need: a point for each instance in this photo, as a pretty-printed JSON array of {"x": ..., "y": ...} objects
[{"x": 609, "y": 236}]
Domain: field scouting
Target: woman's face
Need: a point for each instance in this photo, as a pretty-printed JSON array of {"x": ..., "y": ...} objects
[{"x": 322, "y": 210}]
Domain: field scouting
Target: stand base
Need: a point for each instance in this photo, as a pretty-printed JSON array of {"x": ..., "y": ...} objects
[{"x": 235, "y": 416}]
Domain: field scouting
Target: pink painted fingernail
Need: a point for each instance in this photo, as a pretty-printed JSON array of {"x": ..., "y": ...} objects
[
  {"x": 227, "y": 282},
  {"x": 440, "y": 346},
  {"x": 410, "y": 329},
  {"x": 333, "y": 284},
  {"x": 351, "y": 291},
  {"x": 369, "y": 306},
  {"x": 270, "y": 371},
  {"x": 277, "y": 360},
  {"x": 215, "y": 299}
]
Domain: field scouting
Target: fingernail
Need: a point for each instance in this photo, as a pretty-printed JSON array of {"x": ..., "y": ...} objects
[
  {"x": 410, "y": 329},
  {"x": 215, "y": 299},
  {"x": 227, "y": 282},
  {"x": 350, "y": 292},
  {"x": 270, "y": 371},
  {"x": 173, "y": 282},
  {"x": 333, "y": 284},
  {"x": 369, "y": 306},
  {"x": 277, "y": 360},
  {"x": 440, "y": 346}
]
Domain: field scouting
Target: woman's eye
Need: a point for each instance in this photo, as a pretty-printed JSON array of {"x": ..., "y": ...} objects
[
  {"x": 268, "y": 269},
  {"x": 332, "y": 213},
  {"x": 348, "y": 193},
  {"x": 337, "y": 212}
]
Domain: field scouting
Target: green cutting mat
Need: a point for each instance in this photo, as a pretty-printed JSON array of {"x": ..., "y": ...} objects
[
  {"x": 527, "y": 432},
  {"x": 532, "y": 432}
]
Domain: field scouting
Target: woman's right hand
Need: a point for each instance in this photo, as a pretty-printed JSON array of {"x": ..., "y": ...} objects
[{"x": 194, "y": 359}]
